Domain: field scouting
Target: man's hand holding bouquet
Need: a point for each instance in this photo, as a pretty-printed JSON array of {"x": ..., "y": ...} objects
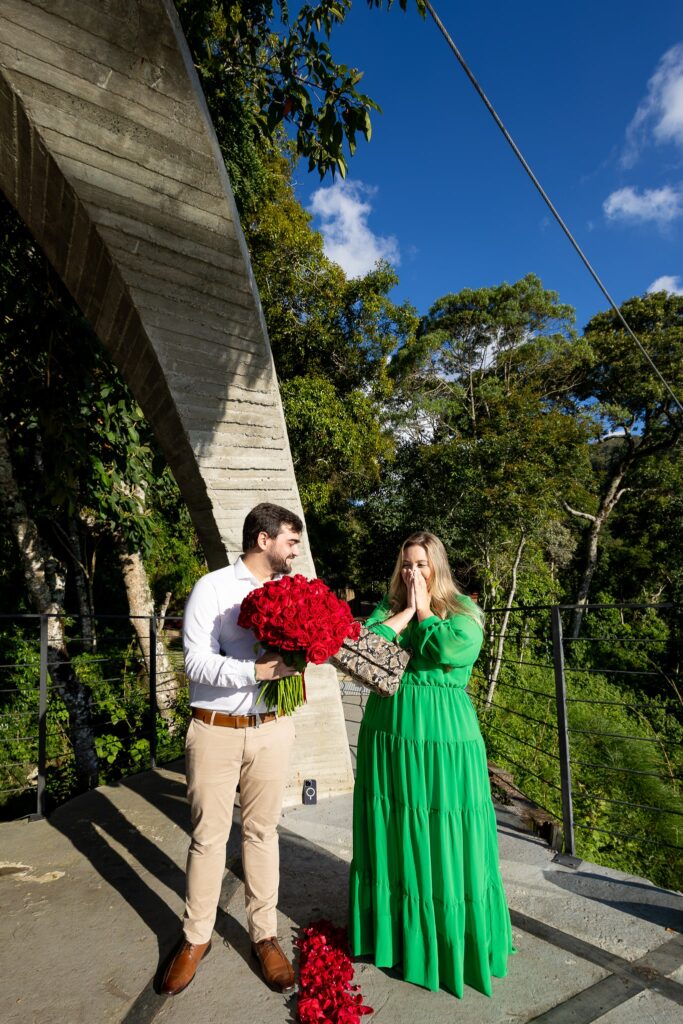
[{"x": 301, "y": 621}]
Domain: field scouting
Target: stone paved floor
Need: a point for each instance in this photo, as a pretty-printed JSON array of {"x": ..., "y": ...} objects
[{"x": 90, "y": 903}]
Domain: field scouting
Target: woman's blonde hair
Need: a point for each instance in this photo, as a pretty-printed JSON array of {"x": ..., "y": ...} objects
[{"x": 445, "y": 597}]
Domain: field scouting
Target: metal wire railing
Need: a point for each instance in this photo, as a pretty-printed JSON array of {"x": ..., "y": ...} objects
[
  {"x": 610, "y": 761},
  {"x": 587, "y": 733},
  {"x": 56, "y": 681},
  {"x": 590, "y": 728}
]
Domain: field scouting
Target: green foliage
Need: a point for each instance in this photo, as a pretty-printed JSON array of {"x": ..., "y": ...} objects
[
  {"x": 622, "y": 387},
  {"x": 332, "y": 340},
  {"x": 174, "y": 560},
  {"x": 262, "y": 68},
  {"x": 81, "y": 448},
  {"x": 320, "y": 323},
  {"x": 642, "y": 553},
  {"x": 626, "y": 737},
  {"x": 491, "y": 443},
  {"x": 172, "y": 729},
  {"x": 120, "y": 695},
  {"x": 80, "y": 444},
  {"x": 337, "y": 441}
]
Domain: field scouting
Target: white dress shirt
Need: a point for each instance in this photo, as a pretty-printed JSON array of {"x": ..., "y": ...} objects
[{"x": 219, "y": 654}]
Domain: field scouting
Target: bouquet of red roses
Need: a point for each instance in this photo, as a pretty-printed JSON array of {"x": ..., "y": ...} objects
[{"x": 302, "y": 621}]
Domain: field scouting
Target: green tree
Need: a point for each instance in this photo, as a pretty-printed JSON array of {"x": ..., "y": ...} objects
[
  {"x": 487, "y": 420},
  {"x": 642, "y": 553},
  {"x": 332, "y": 340},
  {"x": 262, "y": 67},
  {"x": 492, "y": 443},
  {"x": 82, "y": 455},
  {"x": 635, "y": 419},
  {"x": 268, "y": 71}
]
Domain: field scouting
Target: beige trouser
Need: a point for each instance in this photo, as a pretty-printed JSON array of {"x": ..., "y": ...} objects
[{"x": 216, "y": 759}]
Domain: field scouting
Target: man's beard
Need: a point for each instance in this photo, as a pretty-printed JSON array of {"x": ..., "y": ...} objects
[{"x": 280, "y": 566}]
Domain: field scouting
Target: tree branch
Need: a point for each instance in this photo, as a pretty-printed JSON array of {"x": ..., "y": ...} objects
[{"x": 580, "y": 515}]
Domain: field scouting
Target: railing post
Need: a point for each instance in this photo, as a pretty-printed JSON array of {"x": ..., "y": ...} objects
[
  {"x": 153, "y": 691},
  {"x": 563, "y": 730},
  {"x": 42, "y": 724}
]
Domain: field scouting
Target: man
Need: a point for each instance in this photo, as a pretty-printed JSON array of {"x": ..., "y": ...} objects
[{"x": 233, "y": 739}]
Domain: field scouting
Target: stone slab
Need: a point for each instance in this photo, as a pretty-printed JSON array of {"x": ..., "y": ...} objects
[{"x": 93, "y": 900}]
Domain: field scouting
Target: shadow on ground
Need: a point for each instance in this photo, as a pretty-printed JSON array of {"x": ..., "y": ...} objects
[
  {"x": 648, "y": 903},
  {"x": 313, "y": 881}
]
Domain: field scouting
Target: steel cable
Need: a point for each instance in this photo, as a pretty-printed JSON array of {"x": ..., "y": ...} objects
[{"x": 518, "y": 153}]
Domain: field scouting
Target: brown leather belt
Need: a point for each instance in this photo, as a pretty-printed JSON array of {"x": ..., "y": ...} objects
[{"x": 232, "y": 721}]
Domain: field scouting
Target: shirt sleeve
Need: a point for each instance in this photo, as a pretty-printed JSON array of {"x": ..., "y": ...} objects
[
  {"x": 455, "y": 641},
  {"x": 375, "y": 621},
  {"x": 204, "y": 662}
]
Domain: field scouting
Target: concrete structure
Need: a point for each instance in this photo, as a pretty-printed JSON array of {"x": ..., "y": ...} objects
[{"x": 108, "y": 153}]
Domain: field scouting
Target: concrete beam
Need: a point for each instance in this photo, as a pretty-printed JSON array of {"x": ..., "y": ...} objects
[{"x": 108, "y": 153}]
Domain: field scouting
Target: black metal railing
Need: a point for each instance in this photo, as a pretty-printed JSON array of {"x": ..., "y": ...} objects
[
  {"x": 590, "y": 728},
  {"x": 586, "y": 730},
  {"x": 104, "y": 681}
]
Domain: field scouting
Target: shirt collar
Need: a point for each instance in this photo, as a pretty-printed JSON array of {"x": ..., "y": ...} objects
[{"x": 242, "y": 573}]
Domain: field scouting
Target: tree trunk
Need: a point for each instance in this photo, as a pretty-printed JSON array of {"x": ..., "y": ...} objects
[
  {"x": 161, "y": 621},
  {"x": 495, "y": 672},
  {"x": 84, "y": 592},
  {"x": 45, "y": 580},
  {"x": 141, "y": 603},
  {"x": 611, "y": 498}
]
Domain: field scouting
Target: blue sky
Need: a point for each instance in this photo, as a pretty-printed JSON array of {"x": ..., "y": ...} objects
[{"x": 592, "y": 94}]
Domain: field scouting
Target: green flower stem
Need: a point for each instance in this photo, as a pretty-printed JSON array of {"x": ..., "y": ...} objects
[{"x": 286, "y": 694}]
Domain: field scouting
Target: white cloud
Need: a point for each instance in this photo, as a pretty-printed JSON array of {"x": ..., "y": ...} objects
[
  {"x": 667, "y": 283},
  {"x": 661, "y": 205},
  {"x": 660, "y": 112},
  {"x": 343, "y": 209}
]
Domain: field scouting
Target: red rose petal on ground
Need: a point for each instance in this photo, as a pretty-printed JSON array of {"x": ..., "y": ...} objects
[{"x": 326, "y": 995}]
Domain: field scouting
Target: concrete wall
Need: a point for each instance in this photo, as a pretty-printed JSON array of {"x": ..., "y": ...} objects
[{"x": 108, "y": 153}]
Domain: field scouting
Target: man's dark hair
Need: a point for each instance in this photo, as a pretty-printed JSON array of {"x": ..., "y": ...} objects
[{"x": 270, "y": 518}]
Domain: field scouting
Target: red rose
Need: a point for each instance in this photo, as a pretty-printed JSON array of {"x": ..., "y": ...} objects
[
  {"x": 318, "y": 652},
  {"x": 297, "y": 614},
  {"x": 354, "y": 631},
  {"x": 325, "y": 973}
]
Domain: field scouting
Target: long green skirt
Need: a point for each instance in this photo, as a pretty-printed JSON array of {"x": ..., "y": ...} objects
[{"x": 425, "y": 884}]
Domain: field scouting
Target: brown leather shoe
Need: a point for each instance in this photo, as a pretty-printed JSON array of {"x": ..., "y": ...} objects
[
  {"x": 275, "y": 966},
  {"x": 183, "y": 967}
]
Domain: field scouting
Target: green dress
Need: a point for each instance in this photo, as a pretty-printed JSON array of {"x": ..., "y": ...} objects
[{"x": 425, "y": 884}]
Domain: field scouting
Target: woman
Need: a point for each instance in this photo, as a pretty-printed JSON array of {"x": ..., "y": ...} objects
[{"x": 425, "y": 885}]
